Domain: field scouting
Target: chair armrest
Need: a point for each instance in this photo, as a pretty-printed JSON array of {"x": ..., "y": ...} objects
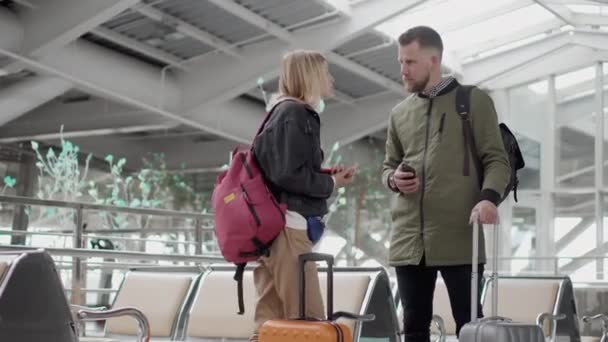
[
  {"x": 96, "y": 314},
  {"x": 75, "y": 308},
  {"x": 604, "y": 319},
  {"x": 541, "y": 318},
  {"x": 545, "y": 315},
  {"x": 441, "y": 326}
]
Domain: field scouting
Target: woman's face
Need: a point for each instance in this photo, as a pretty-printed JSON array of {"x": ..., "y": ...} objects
[{"x": 327, "y": 85}]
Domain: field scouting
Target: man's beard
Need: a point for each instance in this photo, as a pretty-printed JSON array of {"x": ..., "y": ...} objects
[{"x": 419, "y": 86}]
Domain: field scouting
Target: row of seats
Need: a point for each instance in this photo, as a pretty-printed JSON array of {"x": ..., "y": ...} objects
[
  {"x": 522, "y": 299},
  {"x": 176, "y": 303},
  {"x": 186, "y": 304},
  {"x": 34, "y": 307}
]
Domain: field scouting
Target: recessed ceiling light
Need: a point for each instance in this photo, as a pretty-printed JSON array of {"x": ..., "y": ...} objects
[
  {"x": 155, "y": 41},
  {"x": 175, "y": 36}
]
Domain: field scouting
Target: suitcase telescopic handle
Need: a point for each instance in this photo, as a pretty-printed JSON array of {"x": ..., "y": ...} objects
[
  {"x": 329, "y": 259},
  {"x": 476, "y": 222}
]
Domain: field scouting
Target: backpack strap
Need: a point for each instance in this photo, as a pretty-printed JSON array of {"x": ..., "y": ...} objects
[
  {"x": 238, "y": 276},
  {"x": 271, "y": 109},
  {"x": 463, "y": 108},
  {"x": 261, "y": 249}
]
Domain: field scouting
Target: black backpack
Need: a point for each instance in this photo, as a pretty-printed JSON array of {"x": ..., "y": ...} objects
[{"x": 516, "y": 159}]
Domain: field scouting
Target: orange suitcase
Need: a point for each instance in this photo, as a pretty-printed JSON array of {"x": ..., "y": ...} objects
[{"x": 307, "y": 329}]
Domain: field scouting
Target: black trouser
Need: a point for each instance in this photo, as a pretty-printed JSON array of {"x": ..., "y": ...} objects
[{"x": 417, "y": 287}]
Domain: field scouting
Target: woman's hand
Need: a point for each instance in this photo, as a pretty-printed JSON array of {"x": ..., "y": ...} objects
[{"x": 344, "y": 176}]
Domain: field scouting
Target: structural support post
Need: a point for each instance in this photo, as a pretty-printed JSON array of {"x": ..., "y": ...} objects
[
  {"x": 25, "y": 187},
  {"x": 78, "y": 276},
  {"x": 599, "y": 166},
  {"x": 545, "y": 234},
  {"x": 198, "y": 236},
  {"x": 502, "y": 103}
]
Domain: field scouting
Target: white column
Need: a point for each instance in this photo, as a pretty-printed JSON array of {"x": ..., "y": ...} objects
[
  {"x": 599, "y": 168},
  {"x": 545, "y": 233},
  {"x": 505, "y": 210}
]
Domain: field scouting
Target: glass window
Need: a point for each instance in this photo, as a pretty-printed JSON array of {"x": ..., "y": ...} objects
[
  {"x": 452, "y": 12},
  {"x": 575, "y": 77},
  {"x": 589, "y": 9},
  {"x": 526, "y": 120},
  {"x": 500, "y": 26},
  {"x": 523, "y": 238}
]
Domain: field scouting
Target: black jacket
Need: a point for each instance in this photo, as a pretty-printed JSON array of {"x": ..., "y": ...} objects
[{"x": 289, "y": 154}]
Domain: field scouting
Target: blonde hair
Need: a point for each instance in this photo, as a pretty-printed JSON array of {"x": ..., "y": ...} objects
[{"x": 303, "y": 75}]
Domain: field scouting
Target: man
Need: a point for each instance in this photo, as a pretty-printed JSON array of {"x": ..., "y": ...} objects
[{"x": 436, "y": 196}]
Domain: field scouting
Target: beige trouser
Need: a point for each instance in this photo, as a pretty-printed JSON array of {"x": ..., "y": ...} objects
[{"x": 276, "y": 280}]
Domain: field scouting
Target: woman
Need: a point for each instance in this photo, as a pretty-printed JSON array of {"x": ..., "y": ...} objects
[{"x": 289, "y": 153}]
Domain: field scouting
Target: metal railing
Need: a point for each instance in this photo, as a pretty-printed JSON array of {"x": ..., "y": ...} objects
[
  {"x": 550, "y": 265},
  {"x": 79, "y": 253}
]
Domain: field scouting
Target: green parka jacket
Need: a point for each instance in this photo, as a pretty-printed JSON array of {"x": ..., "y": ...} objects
[{"x": 426, "y": 133}]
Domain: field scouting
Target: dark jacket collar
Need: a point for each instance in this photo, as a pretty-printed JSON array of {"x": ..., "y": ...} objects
[{"x": 445, "y": 86}]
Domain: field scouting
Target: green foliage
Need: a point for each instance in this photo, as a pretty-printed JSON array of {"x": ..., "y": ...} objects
[
  {"x": 363, "y": 206},
  {"x": 151, "y": 187},
  {"x": 61, "y": 177}
]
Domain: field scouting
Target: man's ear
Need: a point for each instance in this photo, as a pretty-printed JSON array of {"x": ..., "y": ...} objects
[{"x": 436, "y": 60}]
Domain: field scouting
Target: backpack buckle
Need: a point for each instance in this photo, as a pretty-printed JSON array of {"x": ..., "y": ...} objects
[{"x": 464, "y": 115}]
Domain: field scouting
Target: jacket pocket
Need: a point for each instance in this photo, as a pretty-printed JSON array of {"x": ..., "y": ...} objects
[{"x": 441, "y": 127}]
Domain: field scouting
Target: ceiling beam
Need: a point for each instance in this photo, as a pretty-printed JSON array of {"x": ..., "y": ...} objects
[
  {"x": 99, "y": 70},
  {"x": 342, "y": 6},
  {"x": 189, "y": 30},
  {"x": 54, "y": 24},
  {"x": 253, "y": 18},
  {"x": 577, "y": 110},
  {"x": 343, "y": 98},
  {"x": 590, "y": 19},
  {"x": 574, "y": 90},
  {"x": 111, "y": 75},
  {"x": 231, "y": 80},
  {"x": 368, "y": 74},
  {"x": 474, "y": 49},
  {"x": 11, "y": 31},
  {"x": 26, "y": 3},
  {"x": 485, "y": 69},
  {"x": 566, "y": 59},
  {"x": 560, "y": 11},
  {"x": 87, "y": 133},
  {"x": 286, "y": 36},
  {"x": 102, "y": 115},
  {"x": 138, "y": 46},
  {"x": 483, "y": 16},
  {"x": 105, "y": 73},
  {"x": 345, "y": 124},
  {"x": 594, "y": 39},
  {"x": 25, "y": 95}
]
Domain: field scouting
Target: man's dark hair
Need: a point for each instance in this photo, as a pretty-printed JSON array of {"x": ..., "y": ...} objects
[{"x": 424, "y": 35}]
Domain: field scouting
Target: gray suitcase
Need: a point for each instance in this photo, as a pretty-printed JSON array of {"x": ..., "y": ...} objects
[{"x": 494, "y": 328}]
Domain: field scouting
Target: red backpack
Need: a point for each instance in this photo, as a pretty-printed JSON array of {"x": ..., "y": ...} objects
[{"x": 247, "y": 216}]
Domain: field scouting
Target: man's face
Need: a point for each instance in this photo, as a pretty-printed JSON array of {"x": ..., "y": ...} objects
[{"x": 416, "y": 65}]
